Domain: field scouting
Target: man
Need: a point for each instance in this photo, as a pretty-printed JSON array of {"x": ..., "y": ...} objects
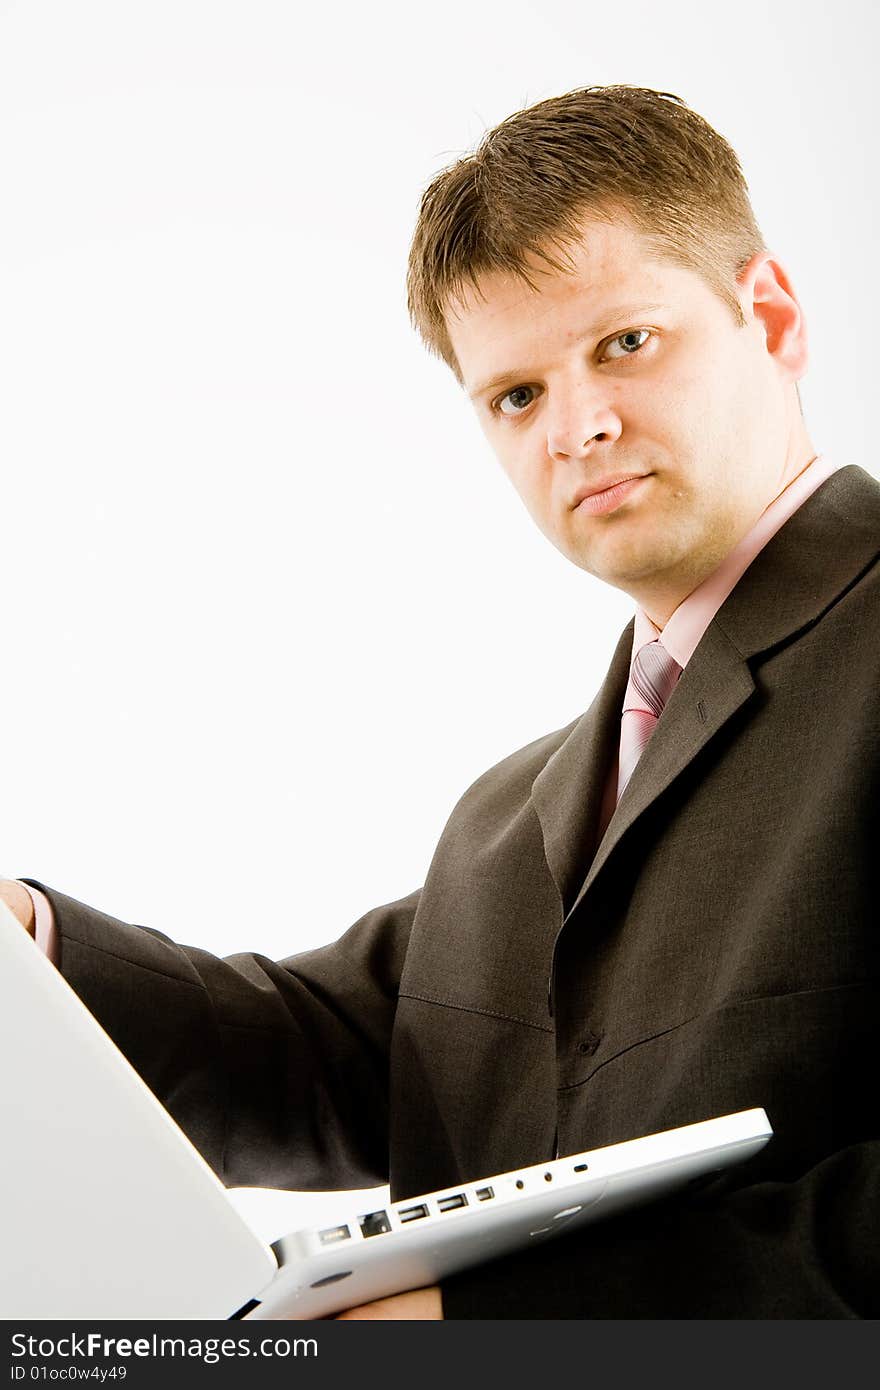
[{"x": 666, "y": 910}]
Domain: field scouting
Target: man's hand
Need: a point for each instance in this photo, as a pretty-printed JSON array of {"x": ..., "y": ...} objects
[
  {"x": 425, "y": 1304},
  {"x": 18, "y": 900}
]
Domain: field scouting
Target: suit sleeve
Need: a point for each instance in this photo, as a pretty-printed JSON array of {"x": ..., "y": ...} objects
[
  {"x": 276, "y": 1070},
  {"x": 805, "y": 1249}
]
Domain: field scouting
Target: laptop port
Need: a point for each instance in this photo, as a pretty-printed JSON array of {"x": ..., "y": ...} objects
[
  {"x": 375, "y": 1223},
  {"x": 484, "y": 1193},
  {"x": 334, "y": 1234},
  {"x": 412, "y": 1213},
  {"x": 450, "y": 1203}
]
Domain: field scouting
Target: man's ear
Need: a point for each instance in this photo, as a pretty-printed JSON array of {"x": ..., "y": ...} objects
[{"x": 768, "y": 299}]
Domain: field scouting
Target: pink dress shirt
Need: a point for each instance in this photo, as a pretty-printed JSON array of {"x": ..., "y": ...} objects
[
  {"x": 45, "y": 934},
  {"x": 686, "y": 625},
  {"x": 680, "y": 636}
]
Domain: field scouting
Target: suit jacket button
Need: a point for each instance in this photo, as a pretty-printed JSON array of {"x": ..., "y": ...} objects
[{"x": 588, "y": 1044}]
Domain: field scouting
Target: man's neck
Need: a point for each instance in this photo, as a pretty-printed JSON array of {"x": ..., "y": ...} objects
[{"x": 660, "y": 605}]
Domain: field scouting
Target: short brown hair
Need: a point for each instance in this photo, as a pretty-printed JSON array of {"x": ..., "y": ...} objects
[{"x": 610, "y": 152}]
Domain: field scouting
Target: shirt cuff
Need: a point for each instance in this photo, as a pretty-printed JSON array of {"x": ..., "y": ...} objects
[{"x": 45, "y": 931}]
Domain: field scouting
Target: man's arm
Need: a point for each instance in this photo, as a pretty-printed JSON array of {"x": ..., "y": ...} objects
[{"x": 277, "y": 1071}]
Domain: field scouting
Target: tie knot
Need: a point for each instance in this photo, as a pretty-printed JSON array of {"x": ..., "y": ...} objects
[{"x": 654, "y": 674}]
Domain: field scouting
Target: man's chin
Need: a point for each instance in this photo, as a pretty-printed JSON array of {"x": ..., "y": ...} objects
[{"x": 633, "y": 569}]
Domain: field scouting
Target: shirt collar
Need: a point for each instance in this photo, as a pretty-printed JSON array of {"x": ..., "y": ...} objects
[{"x": 685, "y": 627}]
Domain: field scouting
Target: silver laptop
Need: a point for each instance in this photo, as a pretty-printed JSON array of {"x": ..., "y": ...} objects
[{"x": 109, "y": 1212}]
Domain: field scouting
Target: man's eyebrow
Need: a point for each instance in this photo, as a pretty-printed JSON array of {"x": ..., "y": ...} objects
[{"x": 606, "y": 320}]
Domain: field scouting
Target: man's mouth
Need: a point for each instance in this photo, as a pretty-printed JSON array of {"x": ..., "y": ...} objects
[{"x": 607, "y": 494}]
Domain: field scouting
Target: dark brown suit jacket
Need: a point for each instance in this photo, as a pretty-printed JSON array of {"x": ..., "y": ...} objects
[{"x": 718, "y": 950}]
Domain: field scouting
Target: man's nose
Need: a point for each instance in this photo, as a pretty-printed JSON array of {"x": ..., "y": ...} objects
[{"x": 579, "y": 417}]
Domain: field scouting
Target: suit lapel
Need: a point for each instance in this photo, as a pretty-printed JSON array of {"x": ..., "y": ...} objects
[
  {"x": 821, "y": 551},
  {"x": 715, "y": 683},
  {"x": 567, "y": 793},
  {"x": 823, "y": 548}
]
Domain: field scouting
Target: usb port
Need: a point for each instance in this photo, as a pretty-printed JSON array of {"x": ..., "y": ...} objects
[
  {"x": 484, "y": 1193},
  {"x": 334, "y": 1234},
  {"x": 412, "y": 1213},
  {"x": 375, "y": 1223},
  {"x": 450, "y": 1203}
]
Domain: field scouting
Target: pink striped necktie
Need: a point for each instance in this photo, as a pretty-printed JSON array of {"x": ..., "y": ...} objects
[{"x": 651, "y": 682}]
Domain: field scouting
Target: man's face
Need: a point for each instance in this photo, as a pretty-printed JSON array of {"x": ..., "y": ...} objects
[{"x": 631, "y": 368}]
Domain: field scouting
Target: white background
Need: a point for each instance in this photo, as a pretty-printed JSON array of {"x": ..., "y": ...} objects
[{"x": 269, "y": 604}]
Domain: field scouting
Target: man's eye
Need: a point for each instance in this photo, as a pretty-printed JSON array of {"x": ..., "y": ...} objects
[
  {"x": 516, "y": 401},
  {"x": 628, "y": 339},
  {"x": 516, "y": 398}
]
